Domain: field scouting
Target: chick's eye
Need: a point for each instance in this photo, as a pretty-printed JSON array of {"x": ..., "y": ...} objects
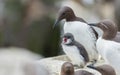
[{"x": 68, "y": 37}]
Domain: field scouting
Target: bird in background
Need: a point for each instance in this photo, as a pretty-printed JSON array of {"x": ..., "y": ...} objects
[
  {"x": 68, "y": 69},
  {"x": 100, "y": 31},
  {"x": 104, "y": 69},
  {"x": 106, "y": 46},
  {"x": 74, "y": 50}
]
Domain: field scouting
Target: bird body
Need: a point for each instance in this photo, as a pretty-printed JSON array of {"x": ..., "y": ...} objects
[
  {"x": 74, "y": 50},
  {"x": 110, "y": 51},
  {"x": 104, "y": 69},
  {"x": 81, "y": 31},
  {"x": 84, "y": 35},
  {"x": 73, "y": 53},
  {"x": 107, "y": 47}
]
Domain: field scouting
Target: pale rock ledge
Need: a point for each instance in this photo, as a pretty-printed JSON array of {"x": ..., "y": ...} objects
[{"x": 53, "y": 64}]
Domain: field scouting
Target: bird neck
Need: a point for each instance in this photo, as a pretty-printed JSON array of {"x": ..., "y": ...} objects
[
  {"x": 109, "y": 30},
  {"x": 74, "y": 18},
  {"x": 82, "y": 51},
  {"x": 71, "y": 44}
]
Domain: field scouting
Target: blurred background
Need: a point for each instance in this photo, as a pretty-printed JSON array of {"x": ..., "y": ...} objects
[{"x": 28, "y": 23}]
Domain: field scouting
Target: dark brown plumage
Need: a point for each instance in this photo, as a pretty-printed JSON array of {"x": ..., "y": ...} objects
[
  {"x": 68, "y": 69},
  {"x": 104, "y": 69},
  {"x": 109, "y": 28},
  {"x": 67, "y": 14}
]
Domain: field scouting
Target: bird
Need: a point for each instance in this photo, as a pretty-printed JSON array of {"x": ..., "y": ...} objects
[
  {"x": 68, "y": 69},
  {"x": 104, "y": 69},
  {"x": 82, "y": 32},
  {"x": 106, "y": 46},
  {"x": 74, "y": 50},
  {"x": 99, "y": 32}
]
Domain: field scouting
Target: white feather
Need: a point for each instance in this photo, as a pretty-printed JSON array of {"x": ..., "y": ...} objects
[
  {"x": 73, "y": 53},
  {"x": 110, "y": 51},
  {"x": 84, "y": 35}
]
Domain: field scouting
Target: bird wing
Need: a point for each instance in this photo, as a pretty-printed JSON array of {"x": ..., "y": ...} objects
[{"x": 83, "y": 52}]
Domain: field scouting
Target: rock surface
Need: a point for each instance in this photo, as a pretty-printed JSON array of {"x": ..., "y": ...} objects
[{"x": 53, "y": 64}]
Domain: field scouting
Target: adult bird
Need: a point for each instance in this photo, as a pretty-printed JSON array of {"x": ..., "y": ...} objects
[
  {"x": 82, "y": 32},
  {"x": 106, "y": 46},
  {"x": 100, "y": 32},
  {"x": 74, "y": 50}
]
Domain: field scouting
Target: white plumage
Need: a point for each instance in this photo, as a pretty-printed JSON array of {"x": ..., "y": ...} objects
[
  {"x": 74, "y": 54},
  {"x": 110, "y": 51},
  {"x": 84, "y": 35}
]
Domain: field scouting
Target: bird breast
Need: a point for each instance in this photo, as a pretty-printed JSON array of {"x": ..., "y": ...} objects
[
  {"x": 81, "y": 32},
  {"x": 73, "y": 53}
]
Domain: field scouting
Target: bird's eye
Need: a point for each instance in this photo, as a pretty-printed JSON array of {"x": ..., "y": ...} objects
[
  {"x": 63, "y": 14},
  {"x": 68, "y": 37}
]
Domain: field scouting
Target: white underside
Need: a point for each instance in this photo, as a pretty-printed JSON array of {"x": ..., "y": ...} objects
[
  {"x": 73, "y": 53},
  {"x": 84, "y": 35},
  {"x": 110, "y": 51}
]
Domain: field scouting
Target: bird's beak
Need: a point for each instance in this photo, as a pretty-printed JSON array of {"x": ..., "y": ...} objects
[
  {"x": 92, "y": 24},
  {"x": 56, "y": 23}
]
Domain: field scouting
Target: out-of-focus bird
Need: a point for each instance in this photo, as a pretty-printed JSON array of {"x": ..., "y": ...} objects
[
  {"x": 104, "y": 69},
  {"x": 106, "y": 46},
  {"x": 100, "y": 31},
  {"x": 68, "y": 69}
]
